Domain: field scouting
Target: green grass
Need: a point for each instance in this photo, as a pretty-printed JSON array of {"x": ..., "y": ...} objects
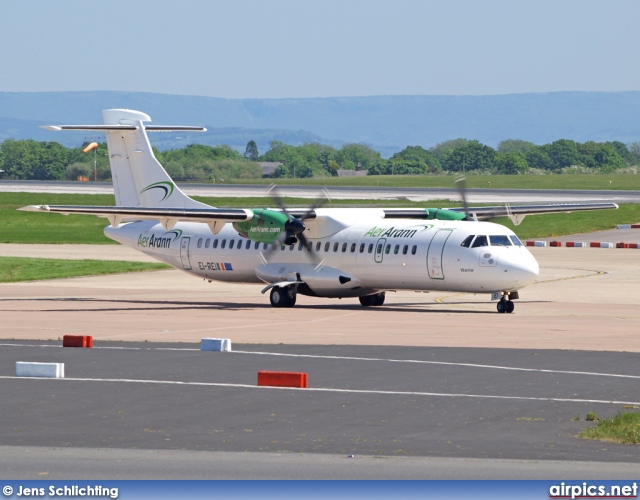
[
  {"x": 623, "y": 428},
  {"x": 551, "y": 181},
  {"x": 33, "y": 227},
  {"x": 13, "y": 269}
]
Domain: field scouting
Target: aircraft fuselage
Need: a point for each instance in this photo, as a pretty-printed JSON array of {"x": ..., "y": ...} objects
[{"x": 350, "y": 259}]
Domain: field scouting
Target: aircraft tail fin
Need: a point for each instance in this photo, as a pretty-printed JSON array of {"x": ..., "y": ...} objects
[{"x": 138, "y": 177}]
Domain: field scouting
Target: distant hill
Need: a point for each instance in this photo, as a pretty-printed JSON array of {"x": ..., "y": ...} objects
[{"x": 386, "y": 123}]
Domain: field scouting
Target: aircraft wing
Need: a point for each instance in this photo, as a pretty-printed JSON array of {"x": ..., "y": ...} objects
[
  {"x": 515, "y": 212},
  {"x": 168, "y": 217}
]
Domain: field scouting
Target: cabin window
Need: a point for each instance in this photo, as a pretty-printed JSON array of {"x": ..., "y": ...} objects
[
  {"x": 515, "y": 240},
  {"x": 326, "y": 246},
  {"x": 396, "y": 249},
  {"x": 344, "y": 246},
  {"x": 467, "y": 241},
  {"x": 199, "y": 242},
  {"x": 353, "y": 247},
  {"x": 388, "y": 249},
  {"x": 370, "y": 248},
  {"x": 361, "y": 247},
  {"x": 480, "y": 241},
  {"x": 248, "y": 245},
  {"x": 500, "y": 240},
  {"x": 207, "y": 243},
  {"x": 379, "y": 249},
  {"x": 335, "y": 246},
  {"x": 231, "y": 244},
  {"x": 318, "y": 246},
  {"x": 215, "y": 243},
  {"x": 300, "y": 245},
  {"x": 239, "y": 245},
  {"x": 310, "y": 246},
  {"x": 405, "y": 249},
  {"x": 291, "y": 247},
  {"x": 414, "y": 249},
  {"x": 223, "y": 244}
]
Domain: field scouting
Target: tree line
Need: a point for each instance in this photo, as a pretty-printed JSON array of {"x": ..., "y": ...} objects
[{"x": 33, "y": 160}]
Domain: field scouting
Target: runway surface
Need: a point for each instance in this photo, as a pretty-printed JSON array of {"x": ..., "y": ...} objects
[
  {"x": 522, "y": 405},
  {"x": 343, "y": 192},
  {"x": 435, "y": 385}
]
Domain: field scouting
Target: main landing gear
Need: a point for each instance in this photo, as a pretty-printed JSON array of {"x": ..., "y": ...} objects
[
  {"x": 283, "y": 296},
  {"x": 505, "y": 305},
  {"x": 372, "y": 300}
]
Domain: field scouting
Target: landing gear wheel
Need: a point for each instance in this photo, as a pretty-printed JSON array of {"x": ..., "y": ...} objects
[
  {"x": 505, "y": 306},
  {"x": 372, "y": 300},
  {"x": 367, "y": 300},
  {"x": 283, "y": 297}
]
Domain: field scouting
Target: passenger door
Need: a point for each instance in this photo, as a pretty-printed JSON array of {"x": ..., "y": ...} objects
[
  {"x": 184, "y": 253},
  {"x": 435, "y": 252}
]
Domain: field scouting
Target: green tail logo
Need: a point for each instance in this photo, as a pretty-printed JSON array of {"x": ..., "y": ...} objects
[{"x": 167, "y": 187}]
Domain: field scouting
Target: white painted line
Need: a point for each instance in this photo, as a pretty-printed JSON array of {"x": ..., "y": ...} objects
[
  {"x": 346, "y": 391},
  {"x": 446, "y": 363},
  {"x": 353, "y": 358}
]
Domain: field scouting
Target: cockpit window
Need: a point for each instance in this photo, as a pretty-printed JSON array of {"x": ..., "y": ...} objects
[
  {"x": 500, "y": 240},
  {"x": 467, "y": 241},
  {"x": 480, "y": 241},
  {"x": 515, "y": 240}
]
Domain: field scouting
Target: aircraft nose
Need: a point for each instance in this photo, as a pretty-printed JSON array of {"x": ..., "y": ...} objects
[{"x": 524, "y": 269}]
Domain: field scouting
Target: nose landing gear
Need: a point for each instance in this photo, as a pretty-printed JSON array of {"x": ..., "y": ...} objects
[{"x": 505, "y": 304}]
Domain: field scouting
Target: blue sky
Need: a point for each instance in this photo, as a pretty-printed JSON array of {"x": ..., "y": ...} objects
[{"x": 287, "y": 48}]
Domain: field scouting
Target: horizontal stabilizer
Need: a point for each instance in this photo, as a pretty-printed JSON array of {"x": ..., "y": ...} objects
[{"x": 148, "y": 128}]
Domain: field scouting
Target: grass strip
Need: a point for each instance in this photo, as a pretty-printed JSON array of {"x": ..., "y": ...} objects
[
  {"x": 14, "y": 269},
  {"x": 622, "y": 428}
]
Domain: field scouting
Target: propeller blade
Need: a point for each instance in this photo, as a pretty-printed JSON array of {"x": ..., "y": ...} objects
[
  {"x": 295, "y": 227},
  {"x": 462, "y": 189},
  {"x": 317, "y": 203}
]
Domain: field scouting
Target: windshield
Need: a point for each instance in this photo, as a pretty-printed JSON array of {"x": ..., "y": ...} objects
[{"x": 500, "y": 239}]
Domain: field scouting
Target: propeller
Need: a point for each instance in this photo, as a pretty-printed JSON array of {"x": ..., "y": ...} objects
[
  {"x": 462, "y": 189},
  {"x": 294, "y": 227}
]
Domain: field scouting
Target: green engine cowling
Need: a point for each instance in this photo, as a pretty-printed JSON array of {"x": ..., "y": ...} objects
[
  {"x": 444, "y": 214},
  {"x": 265, "y": 226}
]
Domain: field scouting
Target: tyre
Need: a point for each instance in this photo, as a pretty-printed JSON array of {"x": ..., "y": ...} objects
[
  {"x": 277, "y": 297},
  {"x": 378, "y": 299},
  {"x": 367, "y": 300}
]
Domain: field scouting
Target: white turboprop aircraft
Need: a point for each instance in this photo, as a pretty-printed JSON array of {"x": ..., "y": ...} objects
[{"x": 324, "y": 252}]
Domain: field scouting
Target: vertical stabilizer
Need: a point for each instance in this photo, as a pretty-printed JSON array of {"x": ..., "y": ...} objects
[{"x": 138, "y": 177}]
